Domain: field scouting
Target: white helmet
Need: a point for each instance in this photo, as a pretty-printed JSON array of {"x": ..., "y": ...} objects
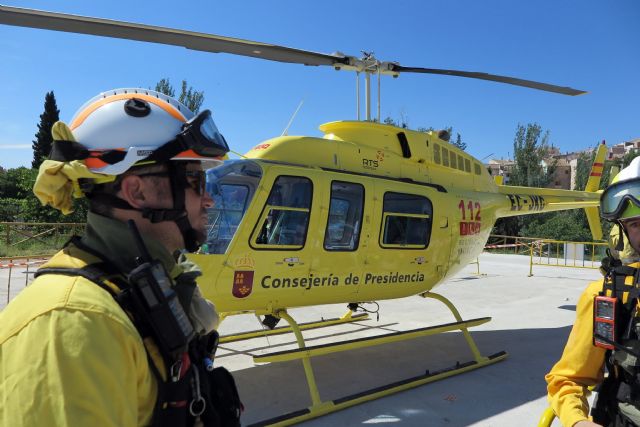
[
  {"x": 121, "y": 127},
  {"x": 621, "y": 199}
]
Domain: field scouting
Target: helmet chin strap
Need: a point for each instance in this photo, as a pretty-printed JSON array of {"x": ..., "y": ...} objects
[
  {"x": 621, "y": 230},
  {"x": 178, "y": 180},
  {"x": 178, "y": 214}
]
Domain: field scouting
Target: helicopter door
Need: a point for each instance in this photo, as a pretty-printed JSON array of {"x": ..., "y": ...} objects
[
  {"x": 342, "y": 236},
  {"x": 280, "y": 241},
  {"x": 399, "y": 260}
]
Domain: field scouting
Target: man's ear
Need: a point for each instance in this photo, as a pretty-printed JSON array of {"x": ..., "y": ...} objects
[{"x": 132, "y": 190}]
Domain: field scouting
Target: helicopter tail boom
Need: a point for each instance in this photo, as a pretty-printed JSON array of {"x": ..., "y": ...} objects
[{"x": 529, "y": 200}]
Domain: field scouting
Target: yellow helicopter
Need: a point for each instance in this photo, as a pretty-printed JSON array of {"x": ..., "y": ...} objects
[{"x": 365, "y": 213}]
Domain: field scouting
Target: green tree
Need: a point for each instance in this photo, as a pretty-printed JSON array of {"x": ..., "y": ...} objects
[
  {"x": 459, "y": 143},
  {"x": 18, "y": 203},
  {"x": 42, "y": 143},
  {"x": 629, "y": 157},
  {"x": 190, "y": 97},
  {"x": 164, "y": 86},
  {"x": 558, "y": 226},
  {"x": 530, "y": 148}
]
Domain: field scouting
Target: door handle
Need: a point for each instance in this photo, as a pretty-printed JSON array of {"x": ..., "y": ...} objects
[{"x": 291, "y": 261}]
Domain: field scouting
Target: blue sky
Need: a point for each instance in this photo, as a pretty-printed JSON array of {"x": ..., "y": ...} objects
[{"x": 586, "y": 44}]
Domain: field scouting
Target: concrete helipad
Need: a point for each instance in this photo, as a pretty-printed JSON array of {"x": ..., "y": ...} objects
[{"x": 532, "y": 317}]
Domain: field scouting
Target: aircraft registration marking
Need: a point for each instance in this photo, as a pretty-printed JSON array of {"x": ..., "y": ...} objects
[{"x": 529, "y": 203}]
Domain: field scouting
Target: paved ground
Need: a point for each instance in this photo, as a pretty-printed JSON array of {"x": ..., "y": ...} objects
[{"x": 532, "y": 317}]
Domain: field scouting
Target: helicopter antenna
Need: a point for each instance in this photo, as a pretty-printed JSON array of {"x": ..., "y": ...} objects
[
  {"x": 286, "y": 129},
  {"x": 238, "y": 154}
]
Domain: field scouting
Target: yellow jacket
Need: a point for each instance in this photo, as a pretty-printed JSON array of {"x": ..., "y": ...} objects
[
  {"x": 581, "y": 364},
  {"x": 69, "y": 356}
]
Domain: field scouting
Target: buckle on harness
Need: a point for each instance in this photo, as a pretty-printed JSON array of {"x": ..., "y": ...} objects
[
  {"x": 175, "y": 369},
  {"x": 604, "y": 321}
]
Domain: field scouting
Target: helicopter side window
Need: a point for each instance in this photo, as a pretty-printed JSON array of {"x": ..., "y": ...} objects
[
  {"x": 452, "y": 160},
  {"x": 285, "y": 218},
  {"x": 406, "y": 221},
  {"x": 345, "y": 217},
  {"x": 445, "y": 157}
]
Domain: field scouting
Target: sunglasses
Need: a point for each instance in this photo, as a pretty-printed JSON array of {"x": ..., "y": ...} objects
[{"x": 196, "y": 180}]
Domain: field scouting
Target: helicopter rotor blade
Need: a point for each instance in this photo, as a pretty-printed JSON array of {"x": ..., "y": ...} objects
[
  {"x": 189, "y": 39},
  {"x": 216, "y": 44},
  {"x": 492, "y": 77}
]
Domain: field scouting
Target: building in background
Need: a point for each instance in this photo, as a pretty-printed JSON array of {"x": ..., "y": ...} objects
[{"x": 566, "y": 164}]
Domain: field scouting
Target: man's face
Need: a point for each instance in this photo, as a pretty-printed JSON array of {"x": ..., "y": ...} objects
[
  {"x": 633, "y": 232},
  {"x": 196, "y": 204}
]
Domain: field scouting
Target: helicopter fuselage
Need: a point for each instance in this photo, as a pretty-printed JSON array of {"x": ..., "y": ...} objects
[{"x": 369, "y": 212}]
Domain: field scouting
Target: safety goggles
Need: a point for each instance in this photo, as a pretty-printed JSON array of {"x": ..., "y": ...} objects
[
  {"x": 201, "y": 135},
  {"x": 614, "y": 199}
]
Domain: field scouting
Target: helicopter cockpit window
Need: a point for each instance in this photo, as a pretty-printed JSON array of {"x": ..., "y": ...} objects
[
  {"x": 232, "y": 187},
  {"x": 285, "y": 218},
  {"x": 345, "y": 217},
  {"x": 406, "y": 221}
]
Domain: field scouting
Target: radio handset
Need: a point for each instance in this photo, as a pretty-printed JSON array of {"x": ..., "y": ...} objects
[{"x": 151, "y": 287}]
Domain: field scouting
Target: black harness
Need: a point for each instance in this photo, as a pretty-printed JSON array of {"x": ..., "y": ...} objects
[
  {"x": 622, "y": 385},
  {"x": 194, "y": 389}
]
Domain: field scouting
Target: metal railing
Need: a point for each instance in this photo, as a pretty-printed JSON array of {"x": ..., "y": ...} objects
[
  {"x": 510, "y": 244},
  {"x": 35, "y": 237},
  {"x": 559, "y": 253},
  {"x": 10, "y": 266}
]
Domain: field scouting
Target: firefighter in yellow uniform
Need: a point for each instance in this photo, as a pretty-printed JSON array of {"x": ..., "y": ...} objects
[
  {"x": 113, "y": 331},
  {"x": 606, "y": 333}
]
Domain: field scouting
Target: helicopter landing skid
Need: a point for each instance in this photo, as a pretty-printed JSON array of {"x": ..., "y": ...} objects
[
  {"x": 348, "y": 317},
  {"x": 319, "y": 408}
]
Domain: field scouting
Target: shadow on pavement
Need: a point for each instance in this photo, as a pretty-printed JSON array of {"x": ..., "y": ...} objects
[{"x": 279, "y": 388}]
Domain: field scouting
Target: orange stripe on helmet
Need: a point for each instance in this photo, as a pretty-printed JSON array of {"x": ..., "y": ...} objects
[
  {"x": 189, "y": 154},
  {"x": 82, "y": 116},
  {"x": 95, "y": 163}
]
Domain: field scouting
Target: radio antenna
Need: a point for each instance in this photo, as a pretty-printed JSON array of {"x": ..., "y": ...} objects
[{"x": 286, "y": 129}]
